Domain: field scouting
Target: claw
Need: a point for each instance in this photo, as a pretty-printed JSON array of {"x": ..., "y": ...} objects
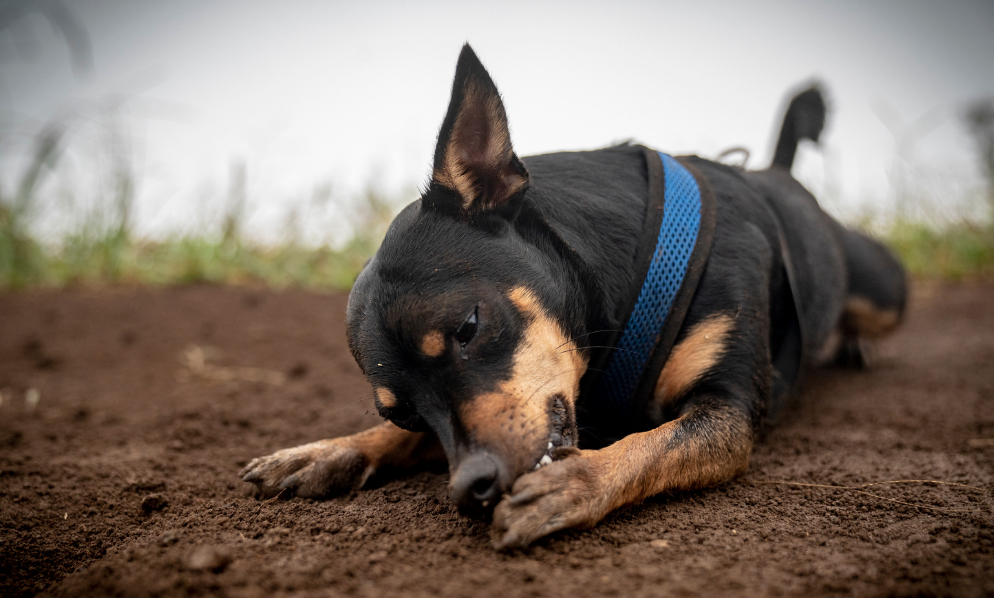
[
  {"x": 508, "y": 541},
  {"x": 312, "y": 470},
  {"x": 523, "y": 497},
  {"x": 248, "y": 469}
]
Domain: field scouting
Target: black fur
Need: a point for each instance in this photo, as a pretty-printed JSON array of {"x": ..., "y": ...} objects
[{"x": 805, "y": 119}]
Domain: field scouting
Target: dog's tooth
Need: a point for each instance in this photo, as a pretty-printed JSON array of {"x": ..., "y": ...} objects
[
  {"x": 537, "y": 466},
  {"x": 546, "y": 459},
  {"x": 549, "y": 448}
]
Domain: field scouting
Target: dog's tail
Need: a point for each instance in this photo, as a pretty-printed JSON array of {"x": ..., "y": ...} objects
[{"x": 805, "y": 119}]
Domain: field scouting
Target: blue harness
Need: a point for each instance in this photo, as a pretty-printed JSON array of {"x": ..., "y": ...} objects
[{"x": 652, "y": 324}]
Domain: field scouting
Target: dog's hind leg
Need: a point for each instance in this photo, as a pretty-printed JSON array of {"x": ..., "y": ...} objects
[
  {"x": 338, "y": 465},
  {"x": 875, "y": 297}
]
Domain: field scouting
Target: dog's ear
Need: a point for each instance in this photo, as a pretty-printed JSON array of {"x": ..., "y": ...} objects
[{"x": 474, "y": 159}]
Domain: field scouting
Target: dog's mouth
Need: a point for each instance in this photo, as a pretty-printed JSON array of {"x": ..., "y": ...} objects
[{"x": 562, "y": 442}]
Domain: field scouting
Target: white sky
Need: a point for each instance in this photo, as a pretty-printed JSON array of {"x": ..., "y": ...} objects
[{"x": 347, "y": 93}]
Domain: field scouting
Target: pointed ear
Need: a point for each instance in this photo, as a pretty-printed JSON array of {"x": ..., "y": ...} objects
[{"x": 474, "y": 157}]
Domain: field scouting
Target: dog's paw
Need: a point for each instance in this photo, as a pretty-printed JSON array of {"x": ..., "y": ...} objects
[
  {"x": 314, "y": 470},
  {"x": 561, "y": 495}
]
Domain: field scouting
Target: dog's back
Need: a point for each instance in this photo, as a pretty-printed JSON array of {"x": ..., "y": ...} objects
[{"x": 851, "y": 286}]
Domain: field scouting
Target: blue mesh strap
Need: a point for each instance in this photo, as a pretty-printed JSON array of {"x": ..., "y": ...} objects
[{"x": 674, "y": 246}]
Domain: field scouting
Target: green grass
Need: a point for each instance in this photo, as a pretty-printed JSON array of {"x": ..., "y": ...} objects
[
  {"x": 961, "y": 251},
  {"x": 957, "y": 252},
  {"x": 184, "y": 260}
]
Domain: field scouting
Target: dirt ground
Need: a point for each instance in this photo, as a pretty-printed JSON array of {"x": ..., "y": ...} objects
[{"x": 127, "y": 413}]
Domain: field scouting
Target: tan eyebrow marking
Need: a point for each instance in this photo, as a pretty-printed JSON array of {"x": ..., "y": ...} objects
[{"x": 433, "y": 343}]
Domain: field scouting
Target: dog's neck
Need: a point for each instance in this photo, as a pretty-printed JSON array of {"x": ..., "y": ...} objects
[{"x": 589, "y": 207}]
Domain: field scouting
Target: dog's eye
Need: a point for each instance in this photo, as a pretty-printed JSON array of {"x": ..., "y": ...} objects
[{"x": 467, "y": 331}]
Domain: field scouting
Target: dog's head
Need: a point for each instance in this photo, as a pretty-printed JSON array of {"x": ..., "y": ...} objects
[{"x": 454, "y": 321}]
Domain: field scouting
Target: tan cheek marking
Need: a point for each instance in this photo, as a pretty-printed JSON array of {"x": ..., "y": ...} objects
[
  {"x": 693, "y": 357},
  {"x": 433, "y": 343},
  {"x": 385, "y": 398},
  {"x": 862, "y": 318},
  {"x": 514, "y": 418}
]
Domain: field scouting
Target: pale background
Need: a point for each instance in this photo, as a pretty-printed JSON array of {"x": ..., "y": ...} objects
[{"x": 313, "y": 96}]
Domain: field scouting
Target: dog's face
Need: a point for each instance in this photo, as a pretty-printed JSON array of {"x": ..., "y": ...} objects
[{"x": 450, "y": 321}]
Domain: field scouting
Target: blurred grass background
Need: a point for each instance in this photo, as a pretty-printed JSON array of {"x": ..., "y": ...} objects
[
  {"x": 99, "y": 245},
  {"x": 96, "y": 245},
  {"x": 73, "y": 220}
]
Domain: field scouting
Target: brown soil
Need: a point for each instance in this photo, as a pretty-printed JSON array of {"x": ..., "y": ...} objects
[{"x": 122, "y": 478}]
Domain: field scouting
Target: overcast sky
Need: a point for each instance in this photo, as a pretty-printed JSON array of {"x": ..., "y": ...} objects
[{"x": 310, "y": 93}]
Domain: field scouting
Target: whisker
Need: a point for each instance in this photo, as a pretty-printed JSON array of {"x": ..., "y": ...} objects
[
  {"x": 588, "y": 334},
  {"x": 548, "y": 380},
  {"x": 601, "y": 347}
]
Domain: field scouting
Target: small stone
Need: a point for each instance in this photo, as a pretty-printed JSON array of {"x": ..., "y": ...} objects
[
  {"x": 170, "y": 537},
  {"x": 659, "y": 543},
  {"x": 31, "y": 399},
  {"x": 207, "y": 558}
]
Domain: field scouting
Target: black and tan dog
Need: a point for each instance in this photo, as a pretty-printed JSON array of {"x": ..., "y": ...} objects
[{"x": 497, "y": 301}]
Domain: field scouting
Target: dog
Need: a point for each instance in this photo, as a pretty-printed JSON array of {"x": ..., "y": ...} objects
[{"x": 509, "y": 322}]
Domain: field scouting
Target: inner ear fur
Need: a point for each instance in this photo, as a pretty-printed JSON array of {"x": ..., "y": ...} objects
[{"x": 474, "y": 157}]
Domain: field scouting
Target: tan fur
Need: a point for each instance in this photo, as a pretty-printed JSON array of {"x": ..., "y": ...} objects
[
  {"x": 386, "y": 398},
  {"x": 386, "y": 444},
  {"x": 642, "y": 465},
  {"x": 582, "y": 490},
  {"x": 340, "y": 464},
  {"x": 700, "y": 351},
  {"x": 830, "y": 348},
  {"x": 433, "y": 343},
  {"x": 862, "y": 318},
  {"x": 514, "y": 418},
  {"x": 457, "y": 173}
]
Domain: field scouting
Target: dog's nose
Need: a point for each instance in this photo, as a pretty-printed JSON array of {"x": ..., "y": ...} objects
[{"x": 475, "y": 485}]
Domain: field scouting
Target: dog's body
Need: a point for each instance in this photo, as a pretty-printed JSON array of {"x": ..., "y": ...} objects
[{"x": 481, "y": 319}]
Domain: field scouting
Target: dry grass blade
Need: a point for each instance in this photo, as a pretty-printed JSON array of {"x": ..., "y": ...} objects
[{"x": 195, "y": 359}]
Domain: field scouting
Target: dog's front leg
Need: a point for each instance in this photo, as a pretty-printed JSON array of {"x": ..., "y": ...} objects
[
  {"x": 337, "y": 465},
  {"x": 709, "y": 443}
]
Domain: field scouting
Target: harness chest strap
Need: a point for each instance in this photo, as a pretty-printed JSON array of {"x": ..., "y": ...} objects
[{"x": 681, "y": 214}]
